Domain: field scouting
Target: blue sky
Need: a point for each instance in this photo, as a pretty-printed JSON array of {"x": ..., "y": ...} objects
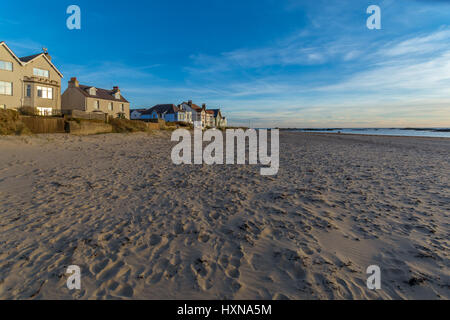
[{"x": 266, "y": 63}]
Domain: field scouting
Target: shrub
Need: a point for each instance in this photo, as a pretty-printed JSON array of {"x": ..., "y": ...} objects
[
  {"x": 28, "y": 111},
  {"x": 184, "y": 124},
  {"x": 124, "y": 125},
  {"x": 10, "y": 123}
]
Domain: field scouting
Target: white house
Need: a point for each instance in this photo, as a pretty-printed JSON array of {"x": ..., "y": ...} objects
[
  {"x": 198, "y": 113},
  {"x": 135, "y": 114},
  {"x": 168, "y": 112},
  {"x": 218, "y": 120}
]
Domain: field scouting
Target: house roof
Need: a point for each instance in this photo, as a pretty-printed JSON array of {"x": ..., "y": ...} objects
[
  {"x": 210, "y": 111},
  {"x": 138, "y": 110},
  {"x": 103, "y": 94},
  {"x": 24, "y": 60},
  {"x": 216, "y": 112},
  {"x": 29, "y": 58},
  {"x": 2, "y": 43},
  {"x": 163, "y": 108},
  {"x": 193, "y": 106}
]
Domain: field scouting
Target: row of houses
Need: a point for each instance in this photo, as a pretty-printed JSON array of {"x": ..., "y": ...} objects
[
  {"x": 186, "y": 112},
  {"x": 35, "y": 82}
]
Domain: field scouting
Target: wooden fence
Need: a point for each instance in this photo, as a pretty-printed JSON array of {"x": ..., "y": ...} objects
[{"x": 43, "y": 124}]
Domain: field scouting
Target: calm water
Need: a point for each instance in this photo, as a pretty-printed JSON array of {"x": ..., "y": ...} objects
[{"x": 389, "y": 132}]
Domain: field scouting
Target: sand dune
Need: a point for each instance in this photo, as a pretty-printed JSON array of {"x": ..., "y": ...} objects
[{"x": 142, "y": 228}]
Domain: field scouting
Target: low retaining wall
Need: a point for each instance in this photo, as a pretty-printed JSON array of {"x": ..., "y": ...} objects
[
  {"x": 153, "y": 126},
  {"x": 44, "y": 125},
  {"x": 87, "y": 127},
  {"x": 86, "y": 115}
]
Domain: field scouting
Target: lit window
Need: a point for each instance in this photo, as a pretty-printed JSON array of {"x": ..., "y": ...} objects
[
  {"x": 6, "y": 88},
  {"x": 110, "y": 106},
  {"x": 40, "y": 72},
  {"x": 3, "y": 106},
  {"x": 5, "y": 65},
  {"x": 96, "y": 105},
  {"x": 44, "y": 111},
  {"x": 45, "y": 93}
]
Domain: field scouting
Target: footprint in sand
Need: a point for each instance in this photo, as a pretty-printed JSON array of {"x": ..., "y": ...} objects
[
  {"x": 124, "y": 291},
  {"x": 155, "y": 239}
]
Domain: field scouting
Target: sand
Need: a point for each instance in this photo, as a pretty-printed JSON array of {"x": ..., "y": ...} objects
[{"x": 140, "y": 227}]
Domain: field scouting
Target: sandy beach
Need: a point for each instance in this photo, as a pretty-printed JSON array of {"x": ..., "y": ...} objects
[{"x": 140, "y": 227}]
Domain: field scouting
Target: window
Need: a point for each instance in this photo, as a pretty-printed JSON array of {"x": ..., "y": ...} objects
[
  {"x": 3, "y": 106},
  {"x": 6, "y": 88},
  {"x": 96, "y": 104},
  {"x": 5, "y": 65},
  {"x": 122, "y": 108},
  {"x": 40, "y": 72},
  {"x": 110, "y": 106},
  {"x": 45, "y": 93},
  {"x": 44, "y": 111},
  {"x": 28, "y": 90}
]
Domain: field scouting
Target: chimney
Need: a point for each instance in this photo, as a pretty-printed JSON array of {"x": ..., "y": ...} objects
[
  {"x": 116, "y": 92},
  {"x": 204, "y": 106},
  {"x": 73, "y": 83},
  {"x": 45, "y": 50}
]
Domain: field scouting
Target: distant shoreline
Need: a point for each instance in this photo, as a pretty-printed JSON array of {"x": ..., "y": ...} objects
[
  {"x": 368, "y": 135},
  {"x": 397, "y": 132},
  {"x": 363, "y": 129}
]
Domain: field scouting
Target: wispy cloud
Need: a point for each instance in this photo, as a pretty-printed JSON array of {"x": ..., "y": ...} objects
[{"x": 296, "y": 50}]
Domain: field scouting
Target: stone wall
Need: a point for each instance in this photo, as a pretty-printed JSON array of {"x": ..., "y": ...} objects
[{"x": 86, "y": 115}]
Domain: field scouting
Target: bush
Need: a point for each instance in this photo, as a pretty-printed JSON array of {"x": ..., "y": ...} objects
[
  {"x": 124, "y": 125},
  {"x": 182, "y": 124},
  {"x": 10, "y": 123},
  {"x": 28, "y": 111}
]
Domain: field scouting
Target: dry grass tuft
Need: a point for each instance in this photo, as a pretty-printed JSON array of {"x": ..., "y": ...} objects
[
  {"x": 124, "y": 125},
  {"x": 10, "y": 123}
]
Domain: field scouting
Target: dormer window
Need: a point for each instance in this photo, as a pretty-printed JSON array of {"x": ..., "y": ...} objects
[
  {"x": 117, "y": 95},
  {"x": 93, "y": 91}
]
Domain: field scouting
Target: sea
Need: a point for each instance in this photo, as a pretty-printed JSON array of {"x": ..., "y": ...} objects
[{"x": 408, "y": 132}]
